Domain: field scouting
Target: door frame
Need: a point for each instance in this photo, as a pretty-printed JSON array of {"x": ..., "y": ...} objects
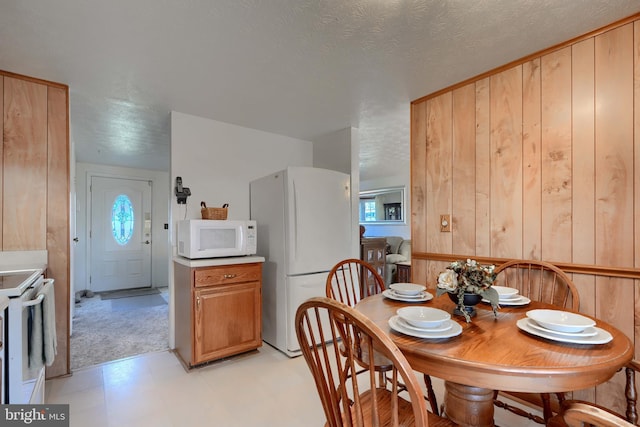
[
  {"x": 89, "y": 177},
  {"x": 117, "y": 183}
]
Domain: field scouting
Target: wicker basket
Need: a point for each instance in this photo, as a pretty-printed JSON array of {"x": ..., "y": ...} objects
[{"x": 213, "y": 213}]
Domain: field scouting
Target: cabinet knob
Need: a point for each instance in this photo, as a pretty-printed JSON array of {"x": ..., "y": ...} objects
[{"x": 229, "y": 276}]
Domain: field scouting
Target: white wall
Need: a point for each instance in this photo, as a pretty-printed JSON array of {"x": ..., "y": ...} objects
[
  {"x": 333, "y": 151},
  {"x": 159, "y": 217},
  {"x": 403, "y": 230},
  {"x": 340, "y": 151},
  {"x": 217, "y": 161}
]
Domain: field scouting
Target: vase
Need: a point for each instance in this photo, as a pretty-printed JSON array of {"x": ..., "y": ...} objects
[{"x": 469, "y": 301}]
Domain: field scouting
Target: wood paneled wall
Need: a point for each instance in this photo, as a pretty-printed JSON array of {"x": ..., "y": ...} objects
[
  {"x": 540, "y": 159},
  {"x": 34, "y": 190}
]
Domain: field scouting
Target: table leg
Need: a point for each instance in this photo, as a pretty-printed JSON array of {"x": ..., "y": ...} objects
[{"x": 468, "y": 406}]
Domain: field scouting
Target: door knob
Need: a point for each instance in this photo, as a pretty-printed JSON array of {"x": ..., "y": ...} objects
[{"x": 147, "y": 242}]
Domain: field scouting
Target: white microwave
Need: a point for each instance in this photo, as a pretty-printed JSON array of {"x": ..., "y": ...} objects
[{"x": 209, "y": 238}]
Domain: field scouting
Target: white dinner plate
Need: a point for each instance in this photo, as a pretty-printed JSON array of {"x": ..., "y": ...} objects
[
  {"x": 559, "y": 320},
  {"x": 445, "y": 326},
  {"x": 425, "y": 296},
  {"x": 588, "y": 332},
  {"x": 601, "y": 337},
  {"x": 514, "y": 302},
  {"x": 407, "y": 288},
  {"x": 396, "y": 324},
  {"x": 420, "y": 295}
]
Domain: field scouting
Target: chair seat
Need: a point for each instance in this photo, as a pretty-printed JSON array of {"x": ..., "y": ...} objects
[
  {"x": 382, "y": 363},
  {"x": 405, "y": 411}
]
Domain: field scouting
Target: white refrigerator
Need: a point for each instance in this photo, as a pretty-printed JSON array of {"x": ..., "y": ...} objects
[{"x": 303, "y": 217}]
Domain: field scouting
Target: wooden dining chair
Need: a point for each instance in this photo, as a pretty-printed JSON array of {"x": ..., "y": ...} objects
[
  {"x": 353, "y": 279},
  {"x": 539, "y": 281},
  {"x": 358, "y": 400},
  {"x": 544, "y": 282},
  {"x": 573, "y": 412}
]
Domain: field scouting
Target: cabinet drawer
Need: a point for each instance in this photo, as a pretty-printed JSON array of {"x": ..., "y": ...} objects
[{"x": 227, "y": 274}]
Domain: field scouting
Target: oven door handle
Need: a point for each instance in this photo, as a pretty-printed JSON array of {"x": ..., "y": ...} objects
[{"x": 34, "y": 301}]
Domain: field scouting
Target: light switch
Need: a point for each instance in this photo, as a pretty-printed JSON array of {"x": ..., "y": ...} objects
[{"x": 445, "y": 223}]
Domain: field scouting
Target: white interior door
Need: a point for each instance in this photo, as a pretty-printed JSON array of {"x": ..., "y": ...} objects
[{"x": 120, "y": 234}]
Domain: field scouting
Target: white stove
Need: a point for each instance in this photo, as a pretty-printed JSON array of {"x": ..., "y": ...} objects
[
  {"x": 21, "y": 280},
  {"x": 14, "y": 283}
]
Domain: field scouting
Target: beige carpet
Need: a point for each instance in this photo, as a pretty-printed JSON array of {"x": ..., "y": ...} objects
[{"x": 106, "y": 330}]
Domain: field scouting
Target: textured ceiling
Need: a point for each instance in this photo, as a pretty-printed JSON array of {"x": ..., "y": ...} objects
[{"x": 300, "y": 68}]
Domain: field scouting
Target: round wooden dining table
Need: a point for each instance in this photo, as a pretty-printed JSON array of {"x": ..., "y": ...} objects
[{"x": 492, "y": 353}]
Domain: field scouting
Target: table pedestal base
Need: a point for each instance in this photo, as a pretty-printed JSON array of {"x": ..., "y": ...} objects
[{"x": 468, "y": 406}]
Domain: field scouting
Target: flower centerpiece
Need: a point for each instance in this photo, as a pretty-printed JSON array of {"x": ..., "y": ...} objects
[{"x": 468, "y": 278}]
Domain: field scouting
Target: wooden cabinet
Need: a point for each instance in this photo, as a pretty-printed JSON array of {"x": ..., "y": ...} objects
[
  {"x": 404, "y": 272},
  {"x": 373, "y": 250},
  {"x": 35, "y": 185},
  {"x": 218, "y": 311}
]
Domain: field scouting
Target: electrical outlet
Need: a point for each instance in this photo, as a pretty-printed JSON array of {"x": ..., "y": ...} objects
[{"x": 445, "y": 223}]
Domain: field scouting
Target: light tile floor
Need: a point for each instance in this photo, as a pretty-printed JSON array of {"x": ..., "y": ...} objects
[{"x": 260, "y": 388}]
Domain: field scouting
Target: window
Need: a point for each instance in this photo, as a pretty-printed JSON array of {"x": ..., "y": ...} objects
[
  {"x": 122, "y": 219},
  {"x": 369, "y": 210}
]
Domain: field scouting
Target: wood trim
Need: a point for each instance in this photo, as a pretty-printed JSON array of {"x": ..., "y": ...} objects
[
  {"x": 530, "y": 57},
  {"x": 34, "y": 80},
  {"x": 58, "y": 242},
  {"x": 595, "y": 270}
]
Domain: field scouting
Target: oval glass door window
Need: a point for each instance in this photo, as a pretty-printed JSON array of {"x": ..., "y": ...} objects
[{"x": 122, "y": 219}]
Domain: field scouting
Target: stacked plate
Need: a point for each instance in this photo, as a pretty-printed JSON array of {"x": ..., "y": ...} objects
[
  {"x": 563, "y": 326},
  {"x": 408, "y": 292},
  {"x": 424, "y": 322},
  {"x": 510, "y": 296}
]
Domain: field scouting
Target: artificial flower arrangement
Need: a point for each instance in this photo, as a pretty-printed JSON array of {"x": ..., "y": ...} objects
[{"x": 469, "y": 277}]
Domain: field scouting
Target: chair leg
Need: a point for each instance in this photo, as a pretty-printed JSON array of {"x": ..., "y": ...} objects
[
  {"x": 516, "y": 410},
  {"x": 431, "y": 396},
  {"x": 382, "y": 379},
  {"x": 546, "y": 406},
  {"x": 631, "y": 395}
]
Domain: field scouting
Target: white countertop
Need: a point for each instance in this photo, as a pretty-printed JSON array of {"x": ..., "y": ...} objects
[
  {"x": 209, "y": 262},
  {"x": 21, "y": 260}
]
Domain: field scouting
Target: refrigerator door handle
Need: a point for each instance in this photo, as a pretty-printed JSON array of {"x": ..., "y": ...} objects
[{"x": 295, "y": 219}]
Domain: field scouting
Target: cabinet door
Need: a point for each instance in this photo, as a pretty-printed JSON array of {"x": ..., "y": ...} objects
[
  {"x": 24, "y": 212},
  {"x": 227, "y": 320}
]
